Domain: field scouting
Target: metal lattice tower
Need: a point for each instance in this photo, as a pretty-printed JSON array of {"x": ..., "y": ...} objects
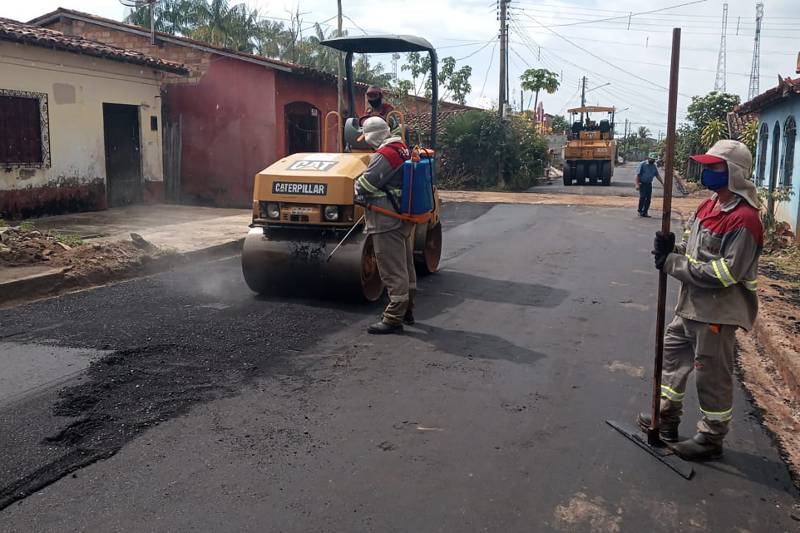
[
  {"x": 755, "y": 71},
  {"x": 722, "y": 60}
]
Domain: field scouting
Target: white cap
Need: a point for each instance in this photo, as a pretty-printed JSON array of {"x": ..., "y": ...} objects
[{"x": 376, "y": 130}]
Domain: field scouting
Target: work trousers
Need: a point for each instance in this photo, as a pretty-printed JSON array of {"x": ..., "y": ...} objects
[
  {"x": 394, "y": 252},
  {"x": 645, "y": 195},
  {"x": 709, "y": 350}
]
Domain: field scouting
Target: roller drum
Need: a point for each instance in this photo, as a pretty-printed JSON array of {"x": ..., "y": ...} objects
[{"x": 291, "y": 260}]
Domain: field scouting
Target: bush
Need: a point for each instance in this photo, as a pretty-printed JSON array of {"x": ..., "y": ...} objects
[{"x": 473, "y": 144}]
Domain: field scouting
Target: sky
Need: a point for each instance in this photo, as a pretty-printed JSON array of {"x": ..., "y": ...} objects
[{"x": 568, "y": 37}]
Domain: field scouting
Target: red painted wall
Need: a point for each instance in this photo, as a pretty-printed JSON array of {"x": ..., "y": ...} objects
[
  {"x": 320, "y": 93},
  {"x": 228, "y": 131}
]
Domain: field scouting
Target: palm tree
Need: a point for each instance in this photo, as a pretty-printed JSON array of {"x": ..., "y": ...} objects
[
  {"x": 218, "y": 23},
  {"x": 268, "y": 38},
  {"x": 537, "y": 79},
  {"x": 643, "y": 132},
  {"x": 715, "y": 130},
  {"x": 171, "y": 16}
]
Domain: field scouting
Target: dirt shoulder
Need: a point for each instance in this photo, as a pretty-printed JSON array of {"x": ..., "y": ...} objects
[
  {"x": 683, "y": 205},
  {"x": 769, "y": 356}
]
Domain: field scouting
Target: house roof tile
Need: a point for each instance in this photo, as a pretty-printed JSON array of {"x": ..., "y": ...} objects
[
  {"x": 11, "y": 30},
  {"x": 785, "y": 87}
]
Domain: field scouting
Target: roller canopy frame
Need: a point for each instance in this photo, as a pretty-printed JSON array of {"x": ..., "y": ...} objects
[
  {"x": 591, "y": 109},
  {"x": 387, "y": 44}
]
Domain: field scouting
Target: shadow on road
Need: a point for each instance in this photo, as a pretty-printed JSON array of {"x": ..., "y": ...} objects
[
  {"x": 449, "y": 288},
  {"x": 754, "y": 468},
  {"x": 472, "y": 345}
]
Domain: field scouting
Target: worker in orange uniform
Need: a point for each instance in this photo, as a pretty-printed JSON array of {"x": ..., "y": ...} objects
[{"x": 717, "y": 265}]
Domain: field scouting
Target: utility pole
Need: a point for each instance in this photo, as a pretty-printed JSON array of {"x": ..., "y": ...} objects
[
  {"x": 503, "y": 92},
  {"x": 521, "y": 101},
  {"x": 625, "y": 139},
  {"x": 722, "y": 61},
  {"x": 583, "y": 95},
  {"x": 340, "y": 82},
  {"x": 755, "y": 70},
  {"x": 153, "y": 22}
]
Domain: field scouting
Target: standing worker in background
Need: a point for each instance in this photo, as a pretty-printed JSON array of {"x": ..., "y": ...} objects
[
  {"x": 380, "y": 185},
  {"x": 645, "y": 172},
  {"x": 376, "y": 105},
  {"x": 717, "y": 265}
]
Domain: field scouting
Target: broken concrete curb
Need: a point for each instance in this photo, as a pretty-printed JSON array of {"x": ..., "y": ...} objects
[{"x": 54, "y": 283}]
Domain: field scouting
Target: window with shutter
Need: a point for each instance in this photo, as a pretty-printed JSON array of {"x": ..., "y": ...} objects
[{"x": 23, "y": 129}]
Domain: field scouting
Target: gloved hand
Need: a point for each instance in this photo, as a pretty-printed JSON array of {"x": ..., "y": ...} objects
[{"x": 663, "y": 245}]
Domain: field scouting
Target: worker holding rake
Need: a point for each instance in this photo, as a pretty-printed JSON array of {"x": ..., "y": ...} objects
[{"x": 717, "y": 265}]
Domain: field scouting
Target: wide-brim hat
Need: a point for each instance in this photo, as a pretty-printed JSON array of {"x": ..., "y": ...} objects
[{"x": 740, "y": 164}]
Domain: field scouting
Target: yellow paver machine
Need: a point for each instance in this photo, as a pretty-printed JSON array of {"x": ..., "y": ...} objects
[
  {"x": 306, "y": 228},
  {"x": 590, "y": 151}
]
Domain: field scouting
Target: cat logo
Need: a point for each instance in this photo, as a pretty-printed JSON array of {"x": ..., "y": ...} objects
[
  {"x": 311, "y": 164},
  {"x": 312, "y": 189}
]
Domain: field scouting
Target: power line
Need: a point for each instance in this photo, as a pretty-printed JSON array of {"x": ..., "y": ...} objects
[
  {"x": 486, "y": 78},
  {"x": 599, "y": 58},
  {"x": 630, "y": 15},
  {"x": 486, "y": 44}
]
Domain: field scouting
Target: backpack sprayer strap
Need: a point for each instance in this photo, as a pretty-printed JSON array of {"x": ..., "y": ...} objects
[{"x": 416, "y": 219}]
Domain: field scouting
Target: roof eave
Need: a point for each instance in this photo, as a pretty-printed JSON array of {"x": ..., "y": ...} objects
[
  {"x": 99, "y": 21},
  {"x": 131, "y": 61}
]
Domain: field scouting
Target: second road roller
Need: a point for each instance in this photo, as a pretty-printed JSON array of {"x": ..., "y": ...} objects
[{"x": 307, "y": 228}]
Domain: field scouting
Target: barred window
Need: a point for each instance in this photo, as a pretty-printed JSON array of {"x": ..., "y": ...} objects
[
  {"x": 789, "y": 139},
  {"x": 763, "y": 141}
]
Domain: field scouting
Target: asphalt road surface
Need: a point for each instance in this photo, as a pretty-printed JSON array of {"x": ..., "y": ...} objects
[
  {"x": 207, "y": 409},
  {"x": 622, "y": 184}
]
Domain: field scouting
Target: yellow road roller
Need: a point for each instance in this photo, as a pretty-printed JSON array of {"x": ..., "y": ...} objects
[
  {"x": 307, "y": 229},
  {"x": 591, "y": 149}
]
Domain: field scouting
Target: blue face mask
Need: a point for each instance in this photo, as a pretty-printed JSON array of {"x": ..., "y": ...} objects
[{"x": 714, "y": 180}]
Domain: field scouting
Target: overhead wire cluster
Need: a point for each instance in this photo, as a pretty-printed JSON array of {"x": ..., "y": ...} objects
[{"x": 643, "y": 94}]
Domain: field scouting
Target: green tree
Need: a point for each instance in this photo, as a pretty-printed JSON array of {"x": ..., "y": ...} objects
[
  {"x": 175, "y": 17},
  {"x": 268, "y": 39},
  {"x": 539, "y": 79},
  {"x": 643, "y": 133},
  {"x": 713, "y": 131},
  {"x": 714, "y": 105},
  {"x": 474, "y": 142},
  {"x": 560, "y": 124},
  {"x": 749, "y": 135},
  {"x": 453, "y": 83},
  {"x": 242, "y": 29}
]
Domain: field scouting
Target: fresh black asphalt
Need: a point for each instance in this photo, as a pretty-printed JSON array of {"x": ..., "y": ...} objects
[{"x": 213, "y": 410}]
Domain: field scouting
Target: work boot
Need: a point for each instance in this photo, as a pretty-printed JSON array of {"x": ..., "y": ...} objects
[
  {"x": 698, "y": 448},
  {"x": 384, "y": 328},
  {"x": 668, "y": 432}
]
